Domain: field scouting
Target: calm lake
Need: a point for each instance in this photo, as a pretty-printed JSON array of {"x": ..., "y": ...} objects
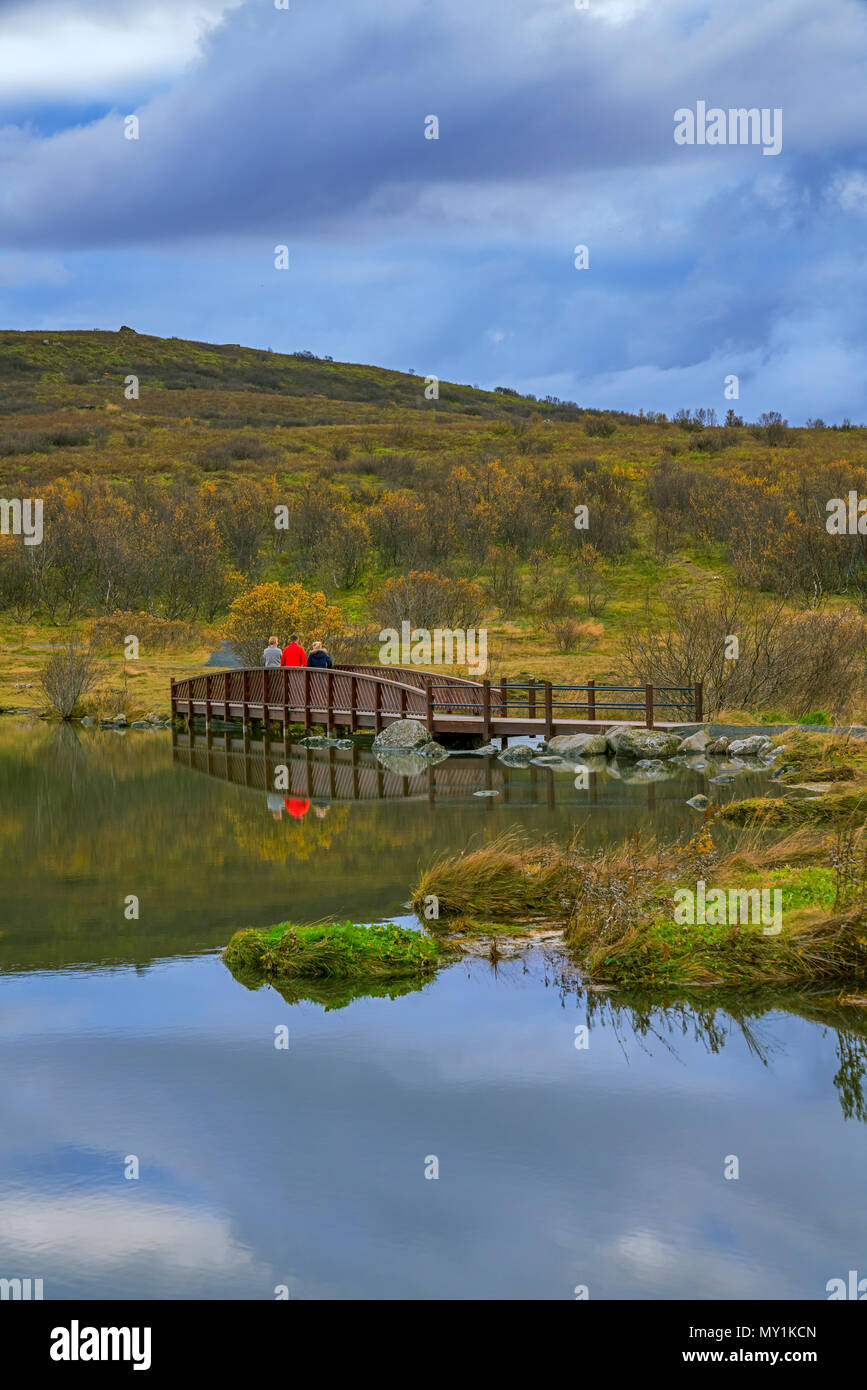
[{"x": 128, "y": 1039}]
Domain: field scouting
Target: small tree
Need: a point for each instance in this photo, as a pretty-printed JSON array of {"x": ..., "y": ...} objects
[
  {"x": 69, "y": 673},
  {"x": 279, "y": 610}
]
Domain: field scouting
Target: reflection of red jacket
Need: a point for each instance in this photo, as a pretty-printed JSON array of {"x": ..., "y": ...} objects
[
  {"x": 297, "y": 806},
  {"x": 294, "y": 655}
]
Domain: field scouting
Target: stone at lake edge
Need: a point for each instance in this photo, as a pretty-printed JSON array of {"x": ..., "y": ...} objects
[
  {"x": 699, "y": 802},
  {"x": 751, "y": 747},
  {"x": 401, "y": 737},
  {"x": 647, "y": 743},
  {"x": 570, "y": 745},
  {"x": 695, "y": 743},
  {"x": 518, "y": 756}
]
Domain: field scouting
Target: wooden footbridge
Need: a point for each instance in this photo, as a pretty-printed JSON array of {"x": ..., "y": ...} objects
[{"x": 370, "y": 697}]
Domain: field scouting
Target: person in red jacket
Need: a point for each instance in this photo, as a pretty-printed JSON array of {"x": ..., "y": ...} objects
[{"x": 294, "y": 654}]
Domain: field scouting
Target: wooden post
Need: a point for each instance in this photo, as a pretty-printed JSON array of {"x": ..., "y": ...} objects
[
  {"x": 591, "y": 699},
  {"x": 208, "y": 702},
  {"x": 329, "y": 697},
  {"x": 648, "y": 705},
  {"x": 307, "y": 720},
  {"x": 428, "y": 702},
  {"x": 245, "y": 700},
  {"x": 377, "y": 707},
  {"x": 403, "y": 702},
  {"x": 699, "y": 703},
  {"x": 549, "y": 710},
  {"x": 486, "y": 709},
  {"x": 174, "y": 701},
  {"x": 531, "y": 698},
  {"x": 226, "y": 675},
  {"x": 353, "y": 701},
  {"x": 504, "y": 699}
]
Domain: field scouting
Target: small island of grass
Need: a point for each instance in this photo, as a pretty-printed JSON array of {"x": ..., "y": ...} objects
[{"x": 332, "y": 951}]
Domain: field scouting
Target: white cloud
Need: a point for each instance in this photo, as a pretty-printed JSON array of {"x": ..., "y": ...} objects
[{"x": 92, "y": 53}]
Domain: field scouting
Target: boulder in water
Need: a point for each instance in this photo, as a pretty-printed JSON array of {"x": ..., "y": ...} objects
[
  {"x": 647, "y": 743},
  {"x": 519, "y": 756},
  {"x": 695, "y": 743},
  {"x": 578, "y": 745},
  {"x": 401, "y": 737}
]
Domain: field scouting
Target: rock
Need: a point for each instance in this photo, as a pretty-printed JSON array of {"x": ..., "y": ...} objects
[
  {"x": 344, "y": 743},
  {"x": 647, "y": 743},
  {"x": 140, "y": 724},
  {"x": 433, "y": 752},
  {"x": 718, "y": 746},
  {"x": 577, "y": 745},
  {"x": 487, "y": 793},
  {"x": 404, "y": 764},
  {"x": 548, "y": 760},
  {"x": 118, "y": 719},
  {"x": 699, "y": 802},
  {"x": 613, "y": 736},
  {"x": 749, "y": 747},
  {"x": 695, "y": 743},
  {"x": 485, "y": 752},
  {"x": 401, "y": 737},
  {"x": 88, "y": 721},
  {"x": 317, "y": 741},
  {"x": 519, "y": 756}
]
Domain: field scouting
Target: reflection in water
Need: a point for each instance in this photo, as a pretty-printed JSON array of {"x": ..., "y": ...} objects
[
  {"x": 306, "y": 1166},
  {"x": 710, "y": 1016}
]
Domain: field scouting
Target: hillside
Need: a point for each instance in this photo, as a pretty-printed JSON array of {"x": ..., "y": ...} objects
[{"x": 165, "y": 503}]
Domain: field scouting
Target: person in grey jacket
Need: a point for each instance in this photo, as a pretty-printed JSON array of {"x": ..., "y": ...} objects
[
  {"x": 273, "y": 652},
  {"x": 318, "y": 656}
]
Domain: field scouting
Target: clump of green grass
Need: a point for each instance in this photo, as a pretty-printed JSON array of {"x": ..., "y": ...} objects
[
  {"x": 333, "y": 951},
  {"x": 816, "y": 942}
]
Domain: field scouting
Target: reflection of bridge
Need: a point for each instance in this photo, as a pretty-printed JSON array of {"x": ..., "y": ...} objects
[
  {"x": 355, "y": 774},
  {"x": 362, "y": 697}
]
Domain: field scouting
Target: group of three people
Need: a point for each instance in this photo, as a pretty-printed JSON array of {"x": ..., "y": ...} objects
[{"x": 295, "y": 655}]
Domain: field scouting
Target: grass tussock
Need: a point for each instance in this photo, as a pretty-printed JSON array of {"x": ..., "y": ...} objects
[
  {"x": 618, "y": 905},
  {"x": 332, "y": 951},
  {"x": 507, "y": 880}
]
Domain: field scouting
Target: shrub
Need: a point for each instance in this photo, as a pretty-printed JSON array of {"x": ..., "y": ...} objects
[
  {"x": 600, "y": 429},
  {"x": 428, "y": 601},
  {"x": 153, "y": 632},
  {"x": 68, "y": 674},
  {"x": 276, "y": 610}
]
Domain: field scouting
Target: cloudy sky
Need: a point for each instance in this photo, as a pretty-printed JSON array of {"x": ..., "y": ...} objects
[{"x": 305, "y": 127}]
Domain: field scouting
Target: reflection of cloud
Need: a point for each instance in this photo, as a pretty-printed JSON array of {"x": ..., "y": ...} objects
[{"x": 101, "y": 1231}]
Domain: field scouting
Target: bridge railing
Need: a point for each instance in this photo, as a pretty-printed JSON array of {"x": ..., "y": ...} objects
[{"x": 340, "y": 696}]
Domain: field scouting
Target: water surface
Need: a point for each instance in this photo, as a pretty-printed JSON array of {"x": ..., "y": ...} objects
[{"x": 305, "y": 1167}]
